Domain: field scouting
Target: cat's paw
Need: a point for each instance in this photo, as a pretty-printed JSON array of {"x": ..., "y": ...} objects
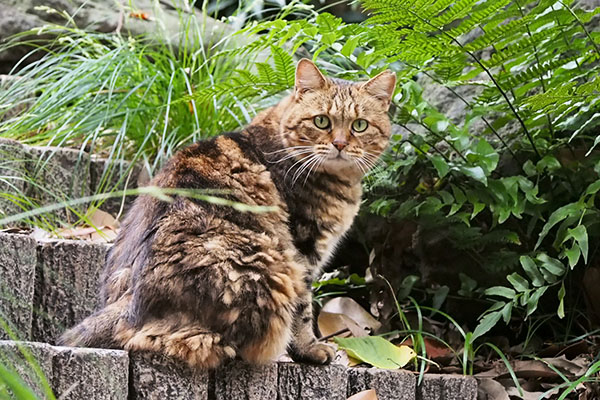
[{"x": 316, "y": 353}]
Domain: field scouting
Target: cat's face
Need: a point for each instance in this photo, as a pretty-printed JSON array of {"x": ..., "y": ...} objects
[{"x": 336, "y": 124}]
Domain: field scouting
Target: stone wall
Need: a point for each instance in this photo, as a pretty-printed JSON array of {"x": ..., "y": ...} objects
[
  {"x": 162, "y": 20},
  {"x": 98, "y": 374}
]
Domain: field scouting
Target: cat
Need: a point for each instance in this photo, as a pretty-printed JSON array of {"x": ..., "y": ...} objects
[{"x": 206, "y": 283}]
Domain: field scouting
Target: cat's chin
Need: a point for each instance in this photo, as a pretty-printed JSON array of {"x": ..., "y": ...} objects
[{"x": 341, "y": 164}]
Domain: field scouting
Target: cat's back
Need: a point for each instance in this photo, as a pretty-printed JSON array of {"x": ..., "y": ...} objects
[{"x": 227, "y": 167}]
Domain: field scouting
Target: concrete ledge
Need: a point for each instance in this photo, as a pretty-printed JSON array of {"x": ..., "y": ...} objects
[
  {"x": 18, "y": 259},
  {"x": 98, "y": 374},
  {"x": 157, "y": 377},
  {"x": 90, "y": 373},
  {"x": 240, "y": 381},
  {"x": 389, "y": 385},
  {"x": 73, "y": 373},
  {"x": 447, "y": 387},
  {"x": 67, "y": 285},
  {"x": 301, "y": 381}
]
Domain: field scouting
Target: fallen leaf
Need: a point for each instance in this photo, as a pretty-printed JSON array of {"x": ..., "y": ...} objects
[
  {"x": 364, "y": 395},
  {"x": 522, "y": 369},
  {"x": 351, "y": 309},
  {"x": 489, "y": 389},
  {"x": 335, "y": 324},
  {"x": 103, "y": 219},
  {"x": 435, "y": 349},
  {"x": 377, "y": 351},
  {"x": 575, "y": 367}
]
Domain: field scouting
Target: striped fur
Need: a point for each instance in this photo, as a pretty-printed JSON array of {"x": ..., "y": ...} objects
[{"x": 204, "y": 282}]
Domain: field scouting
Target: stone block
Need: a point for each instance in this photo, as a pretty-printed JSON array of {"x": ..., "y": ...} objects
[
  {"x": 447, "y": 387},
  {"x": 12, "y": 356},
  {"x": 302, "y": 381},
  {"x": 67, "y": 285},
  {"x": 241, "y": 381},
  {"x": 107, "y": 176},
  {"x": 60, "y": 175},
  {"x": 158, "y": 377},
  {"x": 388, "y": 384},
  {"x": 98, "y": 374},
  {"x": 14, "y": 161},
  {"x": 17, "y": 274}
]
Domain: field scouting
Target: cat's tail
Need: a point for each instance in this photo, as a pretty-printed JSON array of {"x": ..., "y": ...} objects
[{"x": 97, "y": 330}]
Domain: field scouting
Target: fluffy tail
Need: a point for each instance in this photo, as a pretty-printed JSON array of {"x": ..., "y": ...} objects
[{"x": 97, "y": 330}]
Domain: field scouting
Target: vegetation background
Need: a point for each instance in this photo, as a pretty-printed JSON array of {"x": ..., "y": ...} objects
[{"x": 479, "y": 226}]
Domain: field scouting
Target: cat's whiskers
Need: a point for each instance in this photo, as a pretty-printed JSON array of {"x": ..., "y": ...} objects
[
  {"x": 300, "y": 161},
  {"x": 291, "y": 155},
  {"x": 300, "y": 170},
  {"x": 316, "y": 164},
  {"x": 364, "y": 166},
  {"x": 286, "y": 149}
]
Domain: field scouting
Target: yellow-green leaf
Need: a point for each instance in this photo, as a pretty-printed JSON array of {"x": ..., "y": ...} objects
[{"x": 377, "y": 351}]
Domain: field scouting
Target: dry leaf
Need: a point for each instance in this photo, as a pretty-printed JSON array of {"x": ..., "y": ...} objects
[
  {"x": 352, "y": 310},
  {"x": 364, "y": 395},
  {"x": 489, "y": 389},
  {"x": 105, "y": 229},
  {"x": 575, "y": 367},
  {"x": 435, "y": 349},
  {"x": 103, "y": 219},
  {"x": 330, "y": 324}
]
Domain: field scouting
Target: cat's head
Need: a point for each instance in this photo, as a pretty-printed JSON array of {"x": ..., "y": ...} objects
[{"x": 337, "y": 124}]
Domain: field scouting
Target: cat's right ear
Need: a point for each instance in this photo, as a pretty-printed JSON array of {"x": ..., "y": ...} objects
[{"x": 308, "y": 77}]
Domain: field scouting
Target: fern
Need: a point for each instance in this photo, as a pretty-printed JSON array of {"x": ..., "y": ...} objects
[{"x": 527, "y": 75}]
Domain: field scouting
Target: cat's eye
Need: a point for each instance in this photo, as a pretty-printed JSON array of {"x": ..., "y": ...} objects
[
  {"x": 321, "y": 121},
  {"x": 359, "y": 125}
]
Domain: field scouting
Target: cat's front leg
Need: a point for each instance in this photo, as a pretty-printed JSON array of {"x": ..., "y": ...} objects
[{"x": 304, "y": 346}]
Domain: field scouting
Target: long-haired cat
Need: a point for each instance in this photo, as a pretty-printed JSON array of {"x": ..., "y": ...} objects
[{"x": 206, "y": 283}]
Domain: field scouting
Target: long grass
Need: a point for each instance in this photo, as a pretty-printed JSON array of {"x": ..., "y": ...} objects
[{"x": 119, "y": 97}]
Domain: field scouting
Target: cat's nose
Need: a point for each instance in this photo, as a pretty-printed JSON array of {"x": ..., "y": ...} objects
[{"x": 340, "y": 144}]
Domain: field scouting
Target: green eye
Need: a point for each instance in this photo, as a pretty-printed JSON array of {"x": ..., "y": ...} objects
[
  {"x": 321, "y": 121},
  {"x": 359, "y": 125}
]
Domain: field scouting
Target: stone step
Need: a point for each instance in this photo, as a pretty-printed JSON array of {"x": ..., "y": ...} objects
[
  {"x": 47, "y": 286},
  {"x": 59, "y": 174},
  {"x": 75, "y": 373}
]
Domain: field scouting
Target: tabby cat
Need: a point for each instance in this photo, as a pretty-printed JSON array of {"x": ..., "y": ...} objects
[{"x": 206, "y": 283}]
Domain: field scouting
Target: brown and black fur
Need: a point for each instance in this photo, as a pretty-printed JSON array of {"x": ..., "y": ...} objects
[{"x": 204, "y": 282}]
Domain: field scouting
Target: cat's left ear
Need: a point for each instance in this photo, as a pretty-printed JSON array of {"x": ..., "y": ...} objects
[
  {"x": 382, "y": 86},
  {"x": 308, "y": 77}
]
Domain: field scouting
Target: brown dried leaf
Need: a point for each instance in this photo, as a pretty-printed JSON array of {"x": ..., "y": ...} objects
[
  {"x": 364, "y": 395},
  {"x": 103, "y": 219},
  {"x": 575, "y": 367},
  {"x": 330, "y": 324},
  {"x": 436, "y": 350},
  {"x": 489, "y": 389},
  {"x": 351, "y": 309}
]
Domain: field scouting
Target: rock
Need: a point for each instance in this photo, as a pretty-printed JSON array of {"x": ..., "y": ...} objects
[
  {"x": 13, "y": 176},
  {"x": 97, "y": 374},
  {"x": 60, "y": 174},
  {"x": 70, "y": 373},
  {"x": 302, "y": 381},
  {"x": 447, "y": 387},
  {"x": 42, "y": 354},
  {"x": 115, "y": 175},
  {"x": 67, "y": 285},
  {"x": 160, "y": 19},
  {"x": 389, "y": 385},
  {"x": 241, "y": 381},
  {"x": 158, "y": 377},
  {"x": 17, "y": 275}
]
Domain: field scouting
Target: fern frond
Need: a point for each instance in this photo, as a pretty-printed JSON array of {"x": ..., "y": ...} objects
[{"x": 284, "y": 65}]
